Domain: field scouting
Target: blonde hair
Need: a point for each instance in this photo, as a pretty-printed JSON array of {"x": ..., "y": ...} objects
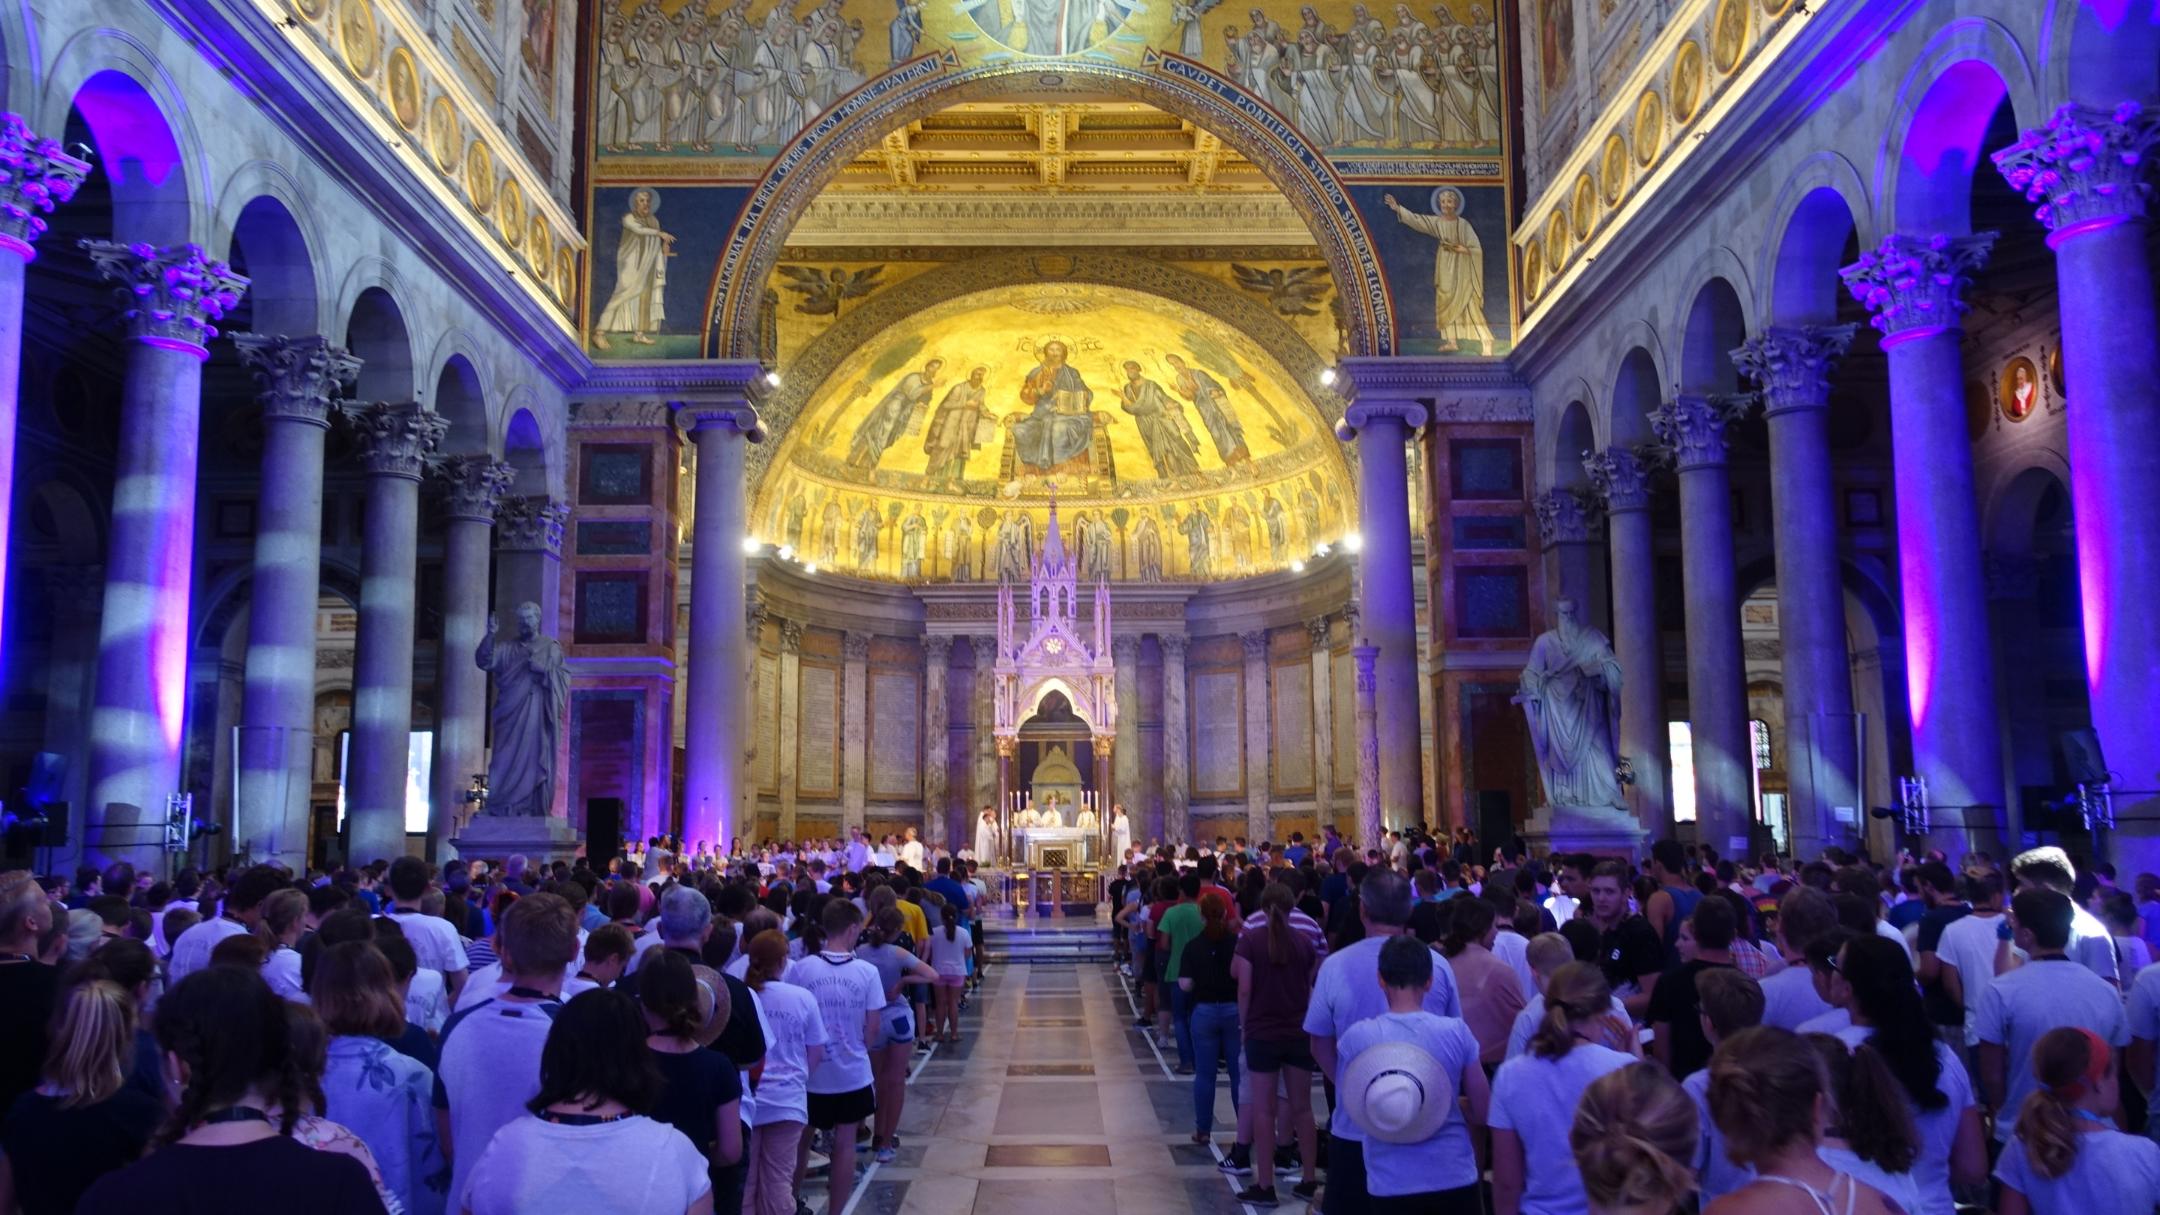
[
  {"x": 20, "y": 897},
  {"x": 284, "y": 909},
  {"x": 1576, "y": 992},
  {"x": 1634, "y": 1130},
  {"x": 1548, "y": 952},
  {"x": 93, "y": 1040},
  {"x": 1763, "y": 1086},
  {"x": 2062, "y": 1061}
]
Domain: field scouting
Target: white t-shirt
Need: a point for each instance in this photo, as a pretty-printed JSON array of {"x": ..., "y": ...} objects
[
  {"x": 2091, "y": 944},
  {"x": 2113, "y": 1174},
  {"x": 1347, "y": 991},
  {"x": 1835, "y": 1022},
  {"x": 1938, "y": 1128},
  {"x": 634, "y": 1165},
  {"x": 1533, "y": 1014},
  {"x": 1446, "y": 1161},
  {"x": 847, "y": 991},
  {"x": 1536, "y": 1098},
  {"x": 427, "y": 1001},
  {"x": 2039, "y": 996},
  {"x": 1715, "y": 1173},
  {"x": 2145, "y": 1011},
  {"x": 949, "y": 958},
  {"x": 281, "y": 970},
  {"x": 192, "y": 951},
  {"x": 1969, "y": 943},
  {"x": 490, "y": 1068},
  {"x": 793, "y": 1025},
  {"x": 1789, "y": 998},
  {"x": 436, "y": 945},
  {"x": 1513, "y": 948},
  {"x": 490, "y": 983}
]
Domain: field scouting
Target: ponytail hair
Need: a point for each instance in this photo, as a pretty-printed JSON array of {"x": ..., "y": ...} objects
[
  {"x": 1276, "y": 901},
  {"x": 2069, "y": 1063},
  {"x": 1214, "y": 915},
  {"x": 1869, "y": 1110},
  {"x": 950, "y": 913},
  {"x": 667, "y": 990},
  {"x": 1473, "y": 918},
  {"x": 1763, "y": 1085},
  {"x": 1576, "y": 992},
  {"x": 1635, "y": 1129},
  {"x": 768, "y": 952}
]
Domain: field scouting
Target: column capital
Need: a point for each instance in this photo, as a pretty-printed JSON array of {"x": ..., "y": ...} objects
[
  {"x": 1620, "y": 476},
  {"x": 1105, "y": 744},
  {"x": 937, "y": 648},
  {"x": 171, "y": 296},
  {"x": 1256, "y": 644},
  {"x": 36, "y": 175},
  {"x": 754, "y": 615},
  {"x": 1792, "y": 364},
  {"x": 2084, "y": 168},
  {"x": 473, "y": 485},
  {"x": 1319, "y": 631},
  {"x": 2009, "y": 577},
  {"x": 1006, "y": 746},
  {"x": 1125, "y": 649},
  {"x": 297, "y": 379},
  {"x": 395, "y": 438},
  {"x": 1366, "y": 658},
  {"x": 791, "y": 636},
  {"x": 855, "y": 647},
  {"x": 1691, "y": 428},
  {"x": 1173, "y": 646},
  {"x": 734, "y": 415},
  {"x": 1569, "y": 516},
  {"x": 985, "y": 646},
  {"x": 1915, "y": 285},
  {"x": 530, "y": 523},
  {"x": 1365, "y": 412}
]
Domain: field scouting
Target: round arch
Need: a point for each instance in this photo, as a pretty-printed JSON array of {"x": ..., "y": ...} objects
[
  {"x": 524, "y": 447},
  {"x": 1575, "y": 433},
  {"x": 1178, "y": 85},
  {"x": 2101, "y": 52},
  {"x": 461, "y": 401},
  {"x": 1717, "y": 321},
  {"x": 375, "y": 331},
  {"x": 269, "y": 245},
  {"x": 1933, "y": 133},
  {"x": 1637, "y": 390},
  {"x": 2013, "y": 502},
  {"x": 146, "y": 149},
  {"x": 1822, "y": 206}
]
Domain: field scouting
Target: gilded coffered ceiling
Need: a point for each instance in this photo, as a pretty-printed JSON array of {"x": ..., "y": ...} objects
[{"x": 1068, "y": 147}]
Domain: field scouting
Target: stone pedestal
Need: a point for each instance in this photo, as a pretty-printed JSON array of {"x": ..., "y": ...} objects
[
  {"x": 1598, "y": 830},
  {"x": 496, "y": 838}
]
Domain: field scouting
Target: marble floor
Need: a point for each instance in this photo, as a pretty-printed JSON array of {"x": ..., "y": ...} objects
[{"x": 1050, "y": 1103}]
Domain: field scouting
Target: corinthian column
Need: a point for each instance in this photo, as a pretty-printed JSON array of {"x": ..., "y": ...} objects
[
  {"x": 1915, "y": 287},
  {"x": 35, "y": 176},
  {"x": 1370, "y": 825},
  {"x": 1692, "y": 428},
  {"x": 2085, "y": 169},
  {"x": 854, "y": 727},
  {"x": 1572, "y": 527},
  {"x": 1619, "y": 478},
  {"x": 171, "y": 300},
  {"x": 937, "y": 741},
  {"x": 1125, "y": 759},
  {"x": 473, "y": 486},
  {"x": 298, "y": 378},
  {"x": 1176, "y": 752},
  {"x": 1321, "y": 632},
  {"x": 716, "y": 720},
  {"x": 1259, "y": 745},
  {"x": 790, "y": 721},
  {"x": 394, "y": 443},
  {"x": 1381, "y": 426},
  {"x": 1822, "y": 760},
  {"x": 528, "y": 557}
]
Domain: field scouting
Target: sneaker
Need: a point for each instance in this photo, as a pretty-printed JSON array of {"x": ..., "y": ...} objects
[
  {"x": 1306, "y": 1190},
  {"x": 1258, "y": 1196},
  {"x": 1286, "y": 1158},
  {"x": 1237, "y": 1160},
  {"x": 886, "y": 1155}
]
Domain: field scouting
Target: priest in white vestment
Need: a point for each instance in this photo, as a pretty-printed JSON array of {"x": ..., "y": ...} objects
[
  {"x": 986, "y": 838},
  {"x": 1458, "y": 271}
]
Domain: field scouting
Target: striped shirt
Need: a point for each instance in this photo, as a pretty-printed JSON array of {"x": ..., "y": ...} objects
[{"x": 1299, "y": 922}]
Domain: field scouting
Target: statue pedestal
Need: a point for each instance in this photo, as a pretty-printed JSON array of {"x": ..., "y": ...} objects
[
  {"x": 498, "y": 837},
  {"x": 1598, "y": 830}
]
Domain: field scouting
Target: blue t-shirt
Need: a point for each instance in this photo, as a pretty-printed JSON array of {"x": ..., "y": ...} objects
[
  {"x": 1347, "y": 991},
  {"x": 1536, "y": 1098},
  {"x": 1445, "y": 1161},
  {"x": 953, "y": 891}
]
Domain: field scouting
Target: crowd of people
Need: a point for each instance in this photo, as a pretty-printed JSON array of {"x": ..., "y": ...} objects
[
  {"x": 1400, "y": 1028},
  {"x": 1577, "y": 1034},
  {"x": 406, "y": 1039}
]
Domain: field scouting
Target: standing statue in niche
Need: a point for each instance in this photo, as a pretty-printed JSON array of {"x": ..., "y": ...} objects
[
  {"x": 1570, "y": 692},
  {"x": 532, "y": 688}
]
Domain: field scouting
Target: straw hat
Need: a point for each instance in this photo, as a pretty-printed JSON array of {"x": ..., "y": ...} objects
[{"x": 1396, "y": 1092}]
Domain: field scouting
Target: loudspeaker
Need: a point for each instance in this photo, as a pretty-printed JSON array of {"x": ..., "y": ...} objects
[
  {"x": 603, "y": 828},
  {"x": 48, "y": 775}
]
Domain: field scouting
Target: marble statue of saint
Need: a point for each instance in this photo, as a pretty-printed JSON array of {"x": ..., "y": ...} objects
[
  {"x": 532, "y": 688},
  {"x": 1058, "y": 427},
  {"x": 1570, "y": 692},
  {"x": 892, "y": 416}
]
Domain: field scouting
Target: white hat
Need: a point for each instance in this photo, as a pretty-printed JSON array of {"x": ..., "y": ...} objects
[{"x": 1396, "y": 1092}]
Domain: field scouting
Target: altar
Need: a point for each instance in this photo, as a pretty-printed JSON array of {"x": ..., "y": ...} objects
[{"x": 1056, "y": 870}]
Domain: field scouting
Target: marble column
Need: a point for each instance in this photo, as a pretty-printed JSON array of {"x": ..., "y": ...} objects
[
  {"x": 1571, "y": 526},
  {"x": 1915, "y": 286},
  {"x": 298, "y": 379},
  {"x": 854, "y": 727},
  {"x": 1382, "y": 426},
  {"x": 1005, "y": 748},
  {"x": 982, "y": 710},
  {"x": 1621, "y": 481},
  {"x": 171, "y": 300},
  {"x": 1692, "y": 429},
  {"x": 1259, "y": 745},
  {"x": 937, "y": 741},
  {"x": 1125, "y": 773},
  {"x": 528, "y": 556},
  {"x": 2085, "y": 170},
  {"x": 1176, "y": 749},
  {"x": 35, "y": 176},
  {"x": 790, "y": 722},
  {"x": 394, "y": 442},
  {"x": 1822, "y": 760},
  {"x": 1321, "y": 631},
  {"x": 1370, "y": 826},
  {"x": 716, "y": 720},
  {"x": 473, "y": 486}
]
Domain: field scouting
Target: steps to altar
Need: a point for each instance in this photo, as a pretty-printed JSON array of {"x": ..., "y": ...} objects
[{"x": 1052, "y": 940}]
